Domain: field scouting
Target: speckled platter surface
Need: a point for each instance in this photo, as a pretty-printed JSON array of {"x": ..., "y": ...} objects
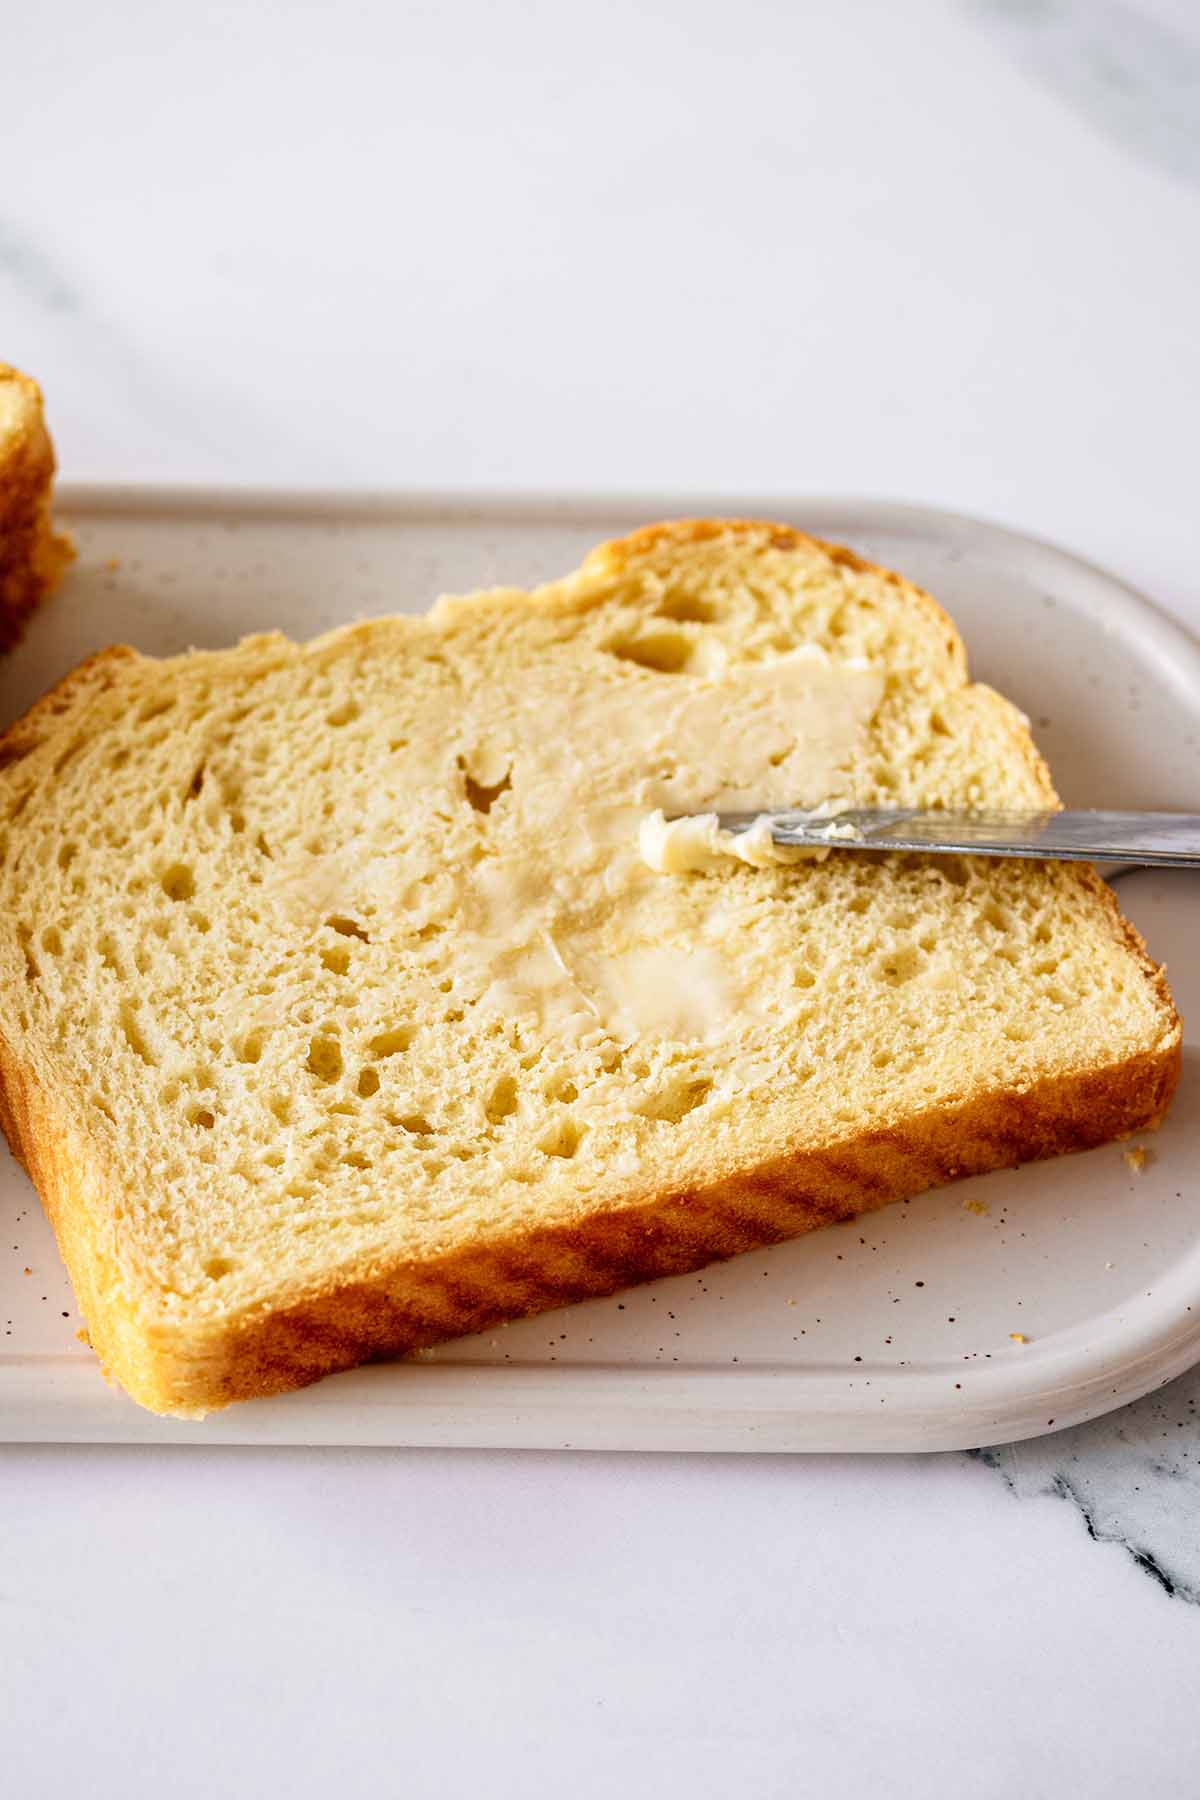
[{"x": 992, "y": 1310}]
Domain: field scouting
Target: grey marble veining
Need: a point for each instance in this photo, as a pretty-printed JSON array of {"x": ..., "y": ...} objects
[
  {"x": 1133, "y": 77},
  {"x": 1134, "y": 1477},
  {"x": 32, "y": 271}
]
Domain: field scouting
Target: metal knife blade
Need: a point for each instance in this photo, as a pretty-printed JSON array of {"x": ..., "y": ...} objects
[{"x": 1160, "y": 839}]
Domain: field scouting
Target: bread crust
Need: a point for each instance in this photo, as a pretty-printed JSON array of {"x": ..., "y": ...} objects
[
  {"x": 367, "y": 1310},
  {"x": 368, "y": 1313},
  {"x": 33, "y": 555}
]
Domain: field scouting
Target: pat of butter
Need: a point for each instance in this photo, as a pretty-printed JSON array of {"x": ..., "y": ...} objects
[
  {"x": 699, "y": 845},
  {"x": 658, "y": 991}
]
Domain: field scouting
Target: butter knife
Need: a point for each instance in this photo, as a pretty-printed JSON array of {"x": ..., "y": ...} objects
[{"x": 1169, "y": 840}]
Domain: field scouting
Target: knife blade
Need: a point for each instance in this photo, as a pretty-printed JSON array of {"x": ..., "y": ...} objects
[{"x": 1158, "y": 839}]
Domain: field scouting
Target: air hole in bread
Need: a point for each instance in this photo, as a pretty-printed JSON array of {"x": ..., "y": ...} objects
[
  {"x": 178, "y": 882},
  {"x": 52, "y": 940},
  {"x": 562, "y": 1138},
  {"x": 368, "y": 1083},
  {"x": 414, "y": 1123},
  {"x": 391, "y": 1043},
  {"x": 344, "y": 714},
  {"x": 336, "y": 961},
  {"x": 251, "y": 1047},
  {"x": 325, "y": 1058},
  {"x": 347, "y": 928},
  {"x": 154, "y": 709},
  {"x": 666, "y": 652},
  {"x": 676, "y": 1100},
  {"x": 200, "y": 1115},
  {"x": 131, "y": 1032},
  {"x": 481, "y": 795},
  {"x": 215, "y": 1267},
  {"x": 501, "y": 1103},
  {"x": 560, "y": 1087},
  {"x": 688, "y": 609},
  {"x": 899, "y": 966}
]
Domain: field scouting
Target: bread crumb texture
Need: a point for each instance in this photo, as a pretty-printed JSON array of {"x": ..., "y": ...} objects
[
  {"x": 341, "y": 1014},
  {"x": 33, "y": 554}
]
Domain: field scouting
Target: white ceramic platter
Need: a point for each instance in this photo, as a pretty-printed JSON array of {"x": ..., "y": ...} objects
[{"x": 890, "y": 1333}]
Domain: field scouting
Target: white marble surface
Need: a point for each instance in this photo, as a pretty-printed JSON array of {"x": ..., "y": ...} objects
[{"x": 948, "y": 252}]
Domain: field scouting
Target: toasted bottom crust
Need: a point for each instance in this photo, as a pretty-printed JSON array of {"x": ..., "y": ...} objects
[{"x": 393, "y": 1309}]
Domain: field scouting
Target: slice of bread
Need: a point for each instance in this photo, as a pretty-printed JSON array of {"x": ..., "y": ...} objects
[
  {"x": 32, "y": 554},
  {"x": 341, "y": 1015}
]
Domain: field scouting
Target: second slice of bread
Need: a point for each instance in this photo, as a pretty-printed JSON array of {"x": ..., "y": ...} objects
[
  {"x": 341, "y": 1016},
  {"x": 33, "y": 554}
]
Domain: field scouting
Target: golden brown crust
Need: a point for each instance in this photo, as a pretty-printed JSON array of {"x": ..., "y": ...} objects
[
  {"x": 400, "y": 1308},
  {"x": 32, "y": 554},
  {"x": 59, "y": 1164}
]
